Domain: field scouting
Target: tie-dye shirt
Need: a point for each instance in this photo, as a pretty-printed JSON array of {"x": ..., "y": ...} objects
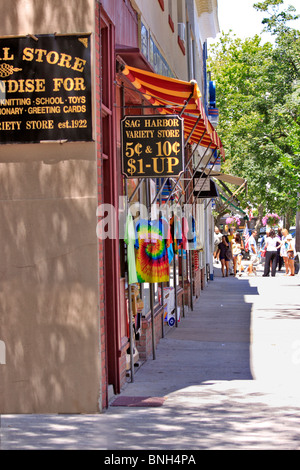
[{"x": 152, "y": 262}]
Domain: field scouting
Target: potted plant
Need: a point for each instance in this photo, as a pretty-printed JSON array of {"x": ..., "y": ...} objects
[
  {"x": 233, "y": 221},
  {"x": 271, "y": 220}
]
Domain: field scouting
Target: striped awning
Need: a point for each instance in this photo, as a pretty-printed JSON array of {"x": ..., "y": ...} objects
[{"x": 170, "y": 96}]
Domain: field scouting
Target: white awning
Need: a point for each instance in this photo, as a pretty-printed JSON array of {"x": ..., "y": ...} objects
[{"x": 236, "y": 180}]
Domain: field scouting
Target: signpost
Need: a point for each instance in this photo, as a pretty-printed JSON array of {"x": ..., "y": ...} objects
[
  {"x": 45, "y": 88},
  {"x": 152, "y": 146}
]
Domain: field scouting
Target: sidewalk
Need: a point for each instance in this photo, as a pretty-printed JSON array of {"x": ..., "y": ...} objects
[{"x": 228, "y": 377}]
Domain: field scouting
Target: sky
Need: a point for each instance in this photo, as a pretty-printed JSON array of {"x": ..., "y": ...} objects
[{"x": 244, "y": 20}]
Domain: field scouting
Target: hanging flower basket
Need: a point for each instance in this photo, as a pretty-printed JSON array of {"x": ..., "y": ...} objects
[
  {"x": 271, "y": 220},
  {"x": 233, "y": 222}
]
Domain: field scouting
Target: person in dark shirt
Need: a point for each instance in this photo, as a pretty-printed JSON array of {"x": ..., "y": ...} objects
[{"x": 224, "y": 254}]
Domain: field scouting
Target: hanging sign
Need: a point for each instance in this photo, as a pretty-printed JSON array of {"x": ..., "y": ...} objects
[
  {"x": 204, "y": 187},
  {"x": 45, "y": 88},
  {"x": 152, "y": 146}
]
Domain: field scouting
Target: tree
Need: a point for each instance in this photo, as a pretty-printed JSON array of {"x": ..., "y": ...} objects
[{"x": 258, "y": 95}]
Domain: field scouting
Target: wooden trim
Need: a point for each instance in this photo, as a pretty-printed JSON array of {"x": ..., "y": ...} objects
[
  {"x": 162, "y": 4},
  {"x": 181, "y": 45},
  {"x": 171, "y": 23},
  {"x": 105, "y": 110}
]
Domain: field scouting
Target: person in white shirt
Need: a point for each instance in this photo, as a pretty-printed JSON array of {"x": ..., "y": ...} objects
[
  {"x": 217, "y": 240},
  {"x": 253, "y": 253},
  {"x": 272, "y": 244}
]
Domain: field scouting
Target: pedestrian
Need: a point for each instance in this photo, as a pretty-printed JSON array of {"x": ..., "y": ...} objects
[
  {"x": 280, "y": 261},
  {"x": 264, "y": 238},
  {"x": 283, "y": 247},
  {"x": 237, "y": 246},
  {"x": 230, "y": 236},
  {"x": 291, "y": 254},
  {"x": 253, "y": 253},
  {"x": 272, "y": 245},
  {"x": 224, "y": 254},
  {"x": 217, "y": 240}
]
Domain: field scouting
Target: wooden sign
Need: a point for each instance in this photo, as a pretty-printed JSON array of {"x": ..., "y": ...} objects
[
  {"x": 152, "y": 146},
  {"x": 45, "y": 88}
]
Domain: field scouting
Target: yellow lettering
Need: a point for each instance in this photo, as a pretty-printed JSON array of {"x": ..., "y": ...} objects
[
  {"x": 10, "y": 125},
  {"x": 39, "y": 84},
  {"x": 172, "y": 161},
  {"x": 79, "y": 84},
  {"x": 23, "y": 86},
  {"x": 52, "y": 57},
  {"x": 49, "y": 124},
  {"x": 28, "y": 54},
  {"x": 65, "y": 60},
  {"x": 132, "y": 123},
  {"x": 69, "y": 84},
  {"x": 40, "y": 53},
  {"x": 79, "y": 64},
  {"x": 155, "y": 160},
  {"x": 6, "y": 54}
]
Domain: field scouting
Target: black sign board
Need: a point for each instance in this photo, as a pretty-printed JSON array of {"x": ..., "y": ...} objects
[
  {"x": 45, "y": 88},
  {"x": 152, "y": 146},
  {"x": 204, "y": 187}
]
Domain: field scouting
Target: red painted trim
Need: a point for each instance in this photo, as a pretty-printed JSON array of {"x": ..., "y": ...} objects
[
  {"x": 171, "y": 23},
  {"x": 162, "y": 4},
  {"x": 181, "y": 45}
]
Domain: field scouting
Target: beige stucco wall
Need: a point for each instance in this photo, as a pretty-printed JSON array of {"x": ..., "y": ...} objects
[
  {"x": 49, "y": 319},
  {"x": 167, "y": 41}
]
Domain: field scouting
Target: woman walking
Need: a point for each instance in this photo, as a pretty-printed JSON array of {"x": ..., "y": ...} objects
[
  {"x": 283, "y": 253},
  {"x": 224, "y": 253},
  {"x": 291, "y": 254},
  {"x": 272, "y": 245},
  {"x": 280, "y": 261},
  {"x": 236, "y": 247}
]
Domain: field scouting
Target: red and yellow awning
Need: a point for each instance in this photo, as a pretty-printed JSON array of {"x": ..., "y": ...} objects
[{"x": 170, "y": 96}]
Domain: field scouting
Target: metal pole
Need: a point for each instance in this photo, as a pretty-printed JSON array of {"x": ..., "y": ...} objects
[
  {"x": 182, "y": 277},
  {"x": 151, "y": 286},
  {"x": 180, "y": 176},
  {"x": 191, "y": 279},
  {"x": 175, "y": 288},
  {"x": 129, "y": 285},
  {"x": 161, "y": 284}
]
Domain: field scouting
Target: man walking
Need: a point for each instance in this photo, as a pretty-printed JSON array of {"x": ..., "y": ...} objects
[{"x": 253, "y": 253}]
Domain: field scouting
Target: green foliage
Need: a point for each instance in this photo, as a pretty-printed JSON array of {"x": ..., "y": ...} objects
[{"x": 258, "y": 96}]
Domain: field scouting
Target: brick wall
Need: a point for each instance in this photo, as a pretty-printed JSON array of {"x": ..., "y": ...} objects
[{"x": 144, "y": 344}]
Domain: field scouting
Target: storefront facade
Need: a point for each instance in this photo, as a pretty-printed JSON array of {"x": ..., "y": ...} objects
[
  {"x": 50, "y": 276},
  {"x": 71, "y": 336}
]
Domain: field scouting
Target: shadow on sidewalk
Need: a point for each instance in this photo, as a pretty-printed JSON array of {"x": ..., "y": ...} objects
[{"x": 211, "y": 343}]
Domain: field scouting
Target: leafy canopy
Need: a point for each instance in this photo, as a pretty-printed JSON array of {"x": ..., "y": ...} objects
[{"x": 258, "y": 96}]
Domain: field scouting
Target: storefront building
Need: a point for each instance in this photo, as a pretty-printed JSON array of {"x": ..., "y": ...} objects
[{"x": 72, "y": 322}]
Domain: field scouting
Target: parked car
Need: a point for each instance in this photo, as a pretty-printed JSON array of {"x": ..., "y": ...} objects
[{"x": 292, "y": 231}]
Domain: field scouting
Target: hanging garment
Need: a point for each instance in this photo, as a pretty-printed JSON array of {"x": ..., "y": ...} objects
[
  {"x": 191, "y": 236},
  {"x": 130, "y": 240},
  {"x": 169, "y": 239},
  {"x": 176, "y": 232},
  {"x": 152, "y": 262},
  {"x": 185, "y": 230}
]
